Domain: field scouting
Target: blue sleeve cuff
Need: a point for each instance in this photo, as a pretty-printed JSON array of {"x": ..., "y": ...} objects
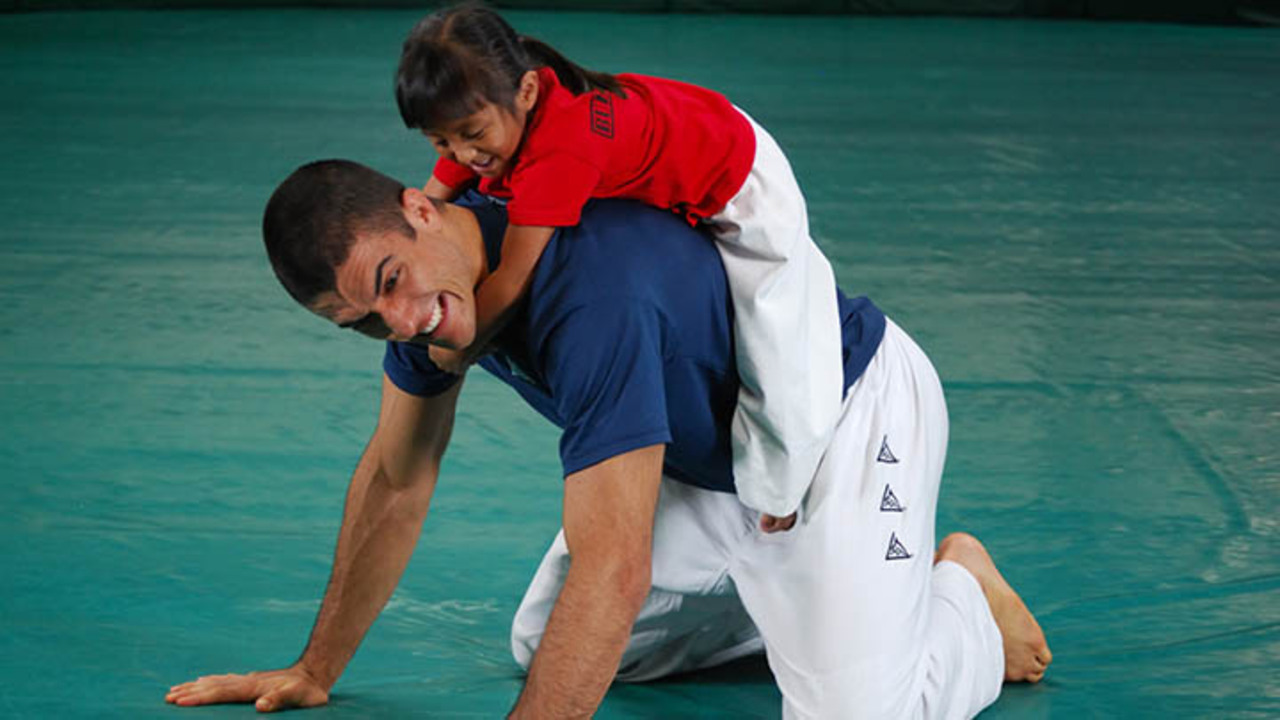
[
  {"x": 596, "y": 455},
  {"x": 410, "y": 368}
]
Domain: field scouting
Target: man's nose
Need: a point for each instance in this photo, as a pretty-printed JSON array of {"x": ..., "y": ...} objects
[{"x": 401, "y": 320}]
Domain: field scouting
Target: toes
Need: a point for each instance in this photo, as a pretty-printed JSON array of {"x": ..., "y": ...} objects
[{"x": 1027, "y": 676}]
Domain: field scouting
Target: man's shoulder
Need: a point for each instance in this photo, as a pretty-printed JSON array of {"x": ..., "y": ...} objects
[
  {"x": 623, "y": 248},
  {"x": 623, "y": 257}
]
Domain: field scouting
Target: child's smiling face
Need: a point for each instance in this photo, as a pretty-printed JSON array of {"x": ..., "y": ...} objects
[{"x": 487, "y": 140}]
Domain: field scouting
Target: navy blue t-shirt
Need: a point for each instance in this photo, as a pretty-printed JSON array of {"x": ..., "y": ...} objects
[{"x": 625, "y": 340}]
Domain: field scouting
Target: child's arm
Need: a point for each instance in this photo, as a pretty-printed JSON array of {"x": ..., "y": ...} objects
[
  {"x": 498, "y": 294},
  {"x": 438, "y": 190},
  {"x": 522, "y": 246}
]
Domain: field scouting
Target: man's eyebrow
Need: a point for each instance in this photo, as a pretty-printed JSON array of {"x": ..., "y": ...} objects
[{"x": 377, "y": 279}]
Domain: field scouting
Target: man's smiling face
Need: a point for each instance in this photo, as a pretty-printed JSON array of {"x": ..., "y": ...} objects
[{"x": 417, "y": 289}]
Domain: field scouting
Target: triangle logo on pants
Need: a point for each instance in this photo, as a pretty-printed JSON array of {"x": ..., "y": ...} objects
[
  {"x": 896, "y": 549},
  {"x": 889, "y": 501},
  {"x": 886, "y": 455}
]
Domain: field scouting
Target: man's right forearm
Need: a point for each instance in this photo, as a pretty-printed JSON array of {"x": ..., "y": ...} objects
[
  {"x": 381, "y": 523},
  {"x": 386, "y": 505}
]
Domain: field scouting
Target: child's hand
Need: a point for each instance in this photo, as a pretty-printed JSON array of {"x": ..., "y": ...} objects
[
  {"x": 450, "y": 361},
  {"x": 771, "y": 524}
]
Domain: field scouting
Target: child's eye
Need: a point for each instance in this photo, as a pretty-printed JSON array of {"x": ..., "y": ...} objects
[{"x": 473, "y": 135}]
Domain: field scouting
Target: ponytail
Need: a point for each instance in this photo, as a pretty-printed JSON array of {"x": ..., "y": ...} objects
[{"x": 575, "y": 78}]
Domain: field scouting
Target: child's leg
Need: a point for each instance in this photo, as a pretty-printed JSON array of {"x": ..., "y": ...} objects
[
  {"x": 857, "y": 620},
  {"x": 787, "y": 335}
]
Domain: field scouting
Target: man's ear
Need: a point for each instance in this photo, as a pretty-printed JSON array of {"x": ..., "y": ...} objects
[
  {"x": 527, "y": 93},
  {"x": 419, "y": 209}
]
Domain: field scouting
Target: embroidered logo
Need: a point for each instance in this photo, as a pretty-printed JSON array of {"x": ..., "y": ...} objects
[
  {"x": 886, "y": 455},
  {"x": 896, "y": 549},
  {"x": 889, "y": 501},
  {"x": 602, "y": 115}
]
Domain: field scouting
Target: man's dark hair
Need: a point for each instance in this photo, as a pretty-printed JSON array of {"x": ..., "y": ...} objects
[{"x": 313, "y": 218}]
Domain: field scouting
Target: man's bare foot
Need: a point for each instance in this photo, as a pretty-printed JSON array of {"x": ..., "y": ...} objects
[{"x": 1026, "y": 653}]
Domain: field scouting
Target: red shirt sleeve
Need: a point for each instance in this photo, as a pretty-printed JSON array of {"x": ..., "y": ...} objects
[
  {"x": 452, "y": 174},
  {"x": 551, "y": 190}
]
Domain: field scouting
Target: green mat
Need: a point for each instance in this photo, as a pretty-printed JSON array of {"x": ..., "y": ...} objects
[{"x": 1077, "y": 221}]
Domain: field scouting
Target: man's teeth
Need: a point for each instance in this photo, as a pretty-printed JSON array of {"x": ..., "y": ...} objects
[{"x": 436, "y": 316}]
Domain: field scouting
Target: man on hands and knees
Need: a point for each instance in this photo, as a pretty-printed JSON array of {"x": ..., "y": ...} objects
[{"x": 624, "y": 342}]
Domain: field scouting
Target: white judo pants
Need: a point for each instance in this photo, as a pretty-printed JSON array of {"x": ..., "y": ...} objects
[
  {"x": 786, "y": 334},
  {"x": 854, "y": 616}
]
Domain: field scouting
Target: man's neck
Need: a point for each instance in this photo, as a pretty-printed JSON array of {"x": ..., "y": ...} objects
[{"x": 465, "y": 230}]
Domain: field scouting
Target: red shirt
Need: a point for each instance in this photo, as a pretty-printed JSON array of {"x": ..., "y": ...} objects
[{"x": 667, "y": 143}]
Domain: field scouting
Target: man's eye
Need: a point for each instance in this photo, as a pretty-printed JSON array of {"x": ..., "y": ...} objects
[{"x": 390, "y": 284}]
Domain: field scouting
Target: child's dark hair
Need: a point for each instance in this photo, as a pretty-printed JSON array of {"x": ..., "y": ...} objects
[{"x": 457, "y": 59}]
